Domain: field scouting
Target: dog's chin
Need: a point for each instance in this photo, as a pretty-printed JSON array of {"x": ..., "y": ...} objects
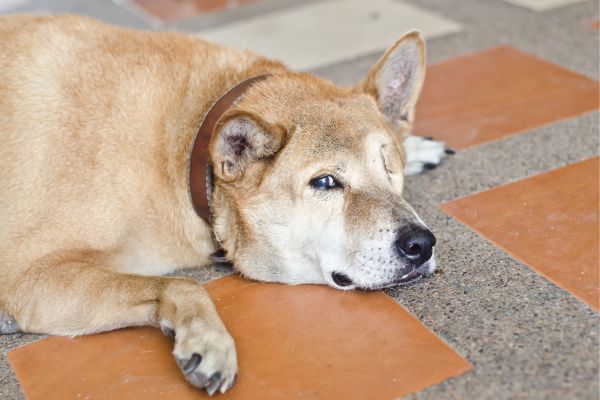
[{"x": 342, "y": 281}]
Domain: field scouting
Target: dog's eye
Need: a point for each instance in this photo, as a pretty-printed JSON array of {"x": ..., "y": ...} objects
[{"x": 325, "y": 182}]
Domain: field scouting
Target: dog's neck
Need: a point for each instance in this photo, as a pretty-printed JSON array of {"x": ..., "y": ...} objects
[{"x": 200, "y": 170}]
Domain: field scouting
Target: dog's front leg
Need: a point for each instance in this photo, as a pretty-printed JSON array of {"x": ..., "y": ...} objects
[{"x": 76, "y": 298}]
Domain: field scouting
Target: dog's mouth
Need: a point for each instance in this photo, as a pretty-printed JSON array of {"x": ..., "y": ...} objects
[
  {"x": 410, "y": 277},
  {"x": 415, "y": 275},
  {"x": 405, "y": 280},
  {"x": 343, "y": 280}
]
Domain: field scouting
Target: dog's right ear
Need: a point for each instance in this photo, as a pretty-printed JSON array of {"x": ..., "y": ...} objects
[{"x": 240, "y": 139}]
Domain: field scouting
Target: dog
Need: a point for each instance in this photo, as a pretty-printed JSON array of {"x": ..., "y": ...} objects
[{"x": 126, "y": 155}]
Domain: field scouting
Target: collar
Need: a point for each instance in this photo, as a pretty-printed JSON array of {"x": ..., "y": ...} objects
[{"x": 200, "y": 172}]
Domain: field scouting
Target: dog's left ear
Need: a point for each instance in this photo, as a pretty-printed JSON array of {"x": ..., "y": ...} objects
[
  {"x": 397, "y": 78},
  {"x": 240, "y": 139}
]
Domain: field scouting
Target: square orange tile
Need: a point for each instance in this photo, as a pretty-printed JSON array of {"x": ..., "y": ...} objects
[
  {"x": 293, "y": 342},
  {"x": 173, "y": 10},
  {"x": 496, "y": 93},
  {"x": 549, "y": 222}
]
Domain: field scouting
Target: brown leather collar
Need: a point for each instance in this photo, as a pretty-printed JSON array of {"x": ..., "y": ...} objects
[{"x": 200, "y": 178}]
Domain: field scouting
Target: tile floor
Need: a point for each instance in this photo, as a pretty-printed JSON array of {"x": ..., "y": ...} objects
[
  {"x": 542, "y": 5},
  {"x": 308, "y": 342},
  {"x": 485, "y": 96},
  {"x": 514, "y": 88},
  {"x": 323, "y": 33},
  {"x": 7, "y": 5},
  {"x": 173, "y": 10},
  {"x": 549, "y": 222}
]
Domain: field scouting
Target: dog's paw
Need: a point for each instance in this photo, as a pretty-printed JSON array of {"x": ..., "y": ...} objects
[
  {"x": 206, "y": 356},
  {"x": 423, "y": 154}
]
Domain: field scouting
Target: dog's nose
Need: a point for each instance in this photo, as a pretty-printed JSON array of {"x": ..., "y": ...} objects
[{"x": 416, "y": 244}]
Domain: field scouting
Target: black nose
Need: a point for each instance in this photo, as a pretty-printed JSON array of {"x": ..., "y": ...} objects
[{"x": 416, "y": 244}]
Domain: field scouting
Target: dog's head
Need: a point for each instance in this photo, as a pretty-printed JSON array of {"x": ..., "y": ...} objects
[{"x": 309, "y": 176}]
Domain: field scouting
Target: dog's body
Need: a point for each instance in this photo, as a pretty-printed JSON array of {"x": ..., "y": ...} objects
[{"x": 96, "y": 127}]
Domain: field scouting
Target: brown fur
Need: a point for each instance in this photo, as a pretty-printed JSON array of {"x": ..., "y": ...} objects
[{"x": 96, "y": 126}]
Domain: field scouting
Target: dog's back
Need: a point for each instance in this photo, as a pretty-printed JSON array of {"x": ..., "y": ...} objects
[{"x": 84, "y": 110}]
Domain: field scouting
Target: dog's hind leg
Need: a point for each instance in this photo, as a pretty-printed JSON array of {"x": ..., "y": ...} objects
[
  {"x": 76, "y": 295},
  {"x": 423, "y": 154}
]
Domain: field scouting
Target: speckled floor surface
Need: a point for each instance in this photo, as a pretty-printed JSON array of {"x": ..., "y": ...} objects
[{"x": 525, "y": 337}]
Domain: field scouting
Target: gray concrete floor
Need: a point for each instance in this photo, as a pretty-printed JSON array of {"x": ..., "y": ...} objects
[{"x": 525, "y": 337}]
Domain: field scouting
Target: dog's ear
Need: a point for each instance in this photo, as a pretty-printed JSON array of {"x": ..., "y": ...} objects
[
  {"x": 239, "y": 139},
  {"x": 396, "y": 79}
]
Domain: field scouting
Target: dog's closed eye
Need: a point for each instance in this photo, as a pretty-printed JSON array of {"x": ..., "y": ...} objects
[{"x": 390, "y": 163}]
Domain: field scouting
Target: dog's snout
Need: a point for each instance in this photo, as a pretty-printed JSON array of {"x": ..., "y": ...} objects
[{"x": 416, "y": 244}]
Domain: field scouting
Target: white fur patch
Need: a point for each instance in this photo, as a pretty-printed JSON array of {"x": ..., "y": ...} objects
[{"x": 420, "y": 152}]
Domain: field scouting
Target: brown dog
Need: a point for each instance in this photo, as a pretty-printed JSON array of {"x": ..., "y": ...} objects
[{"x": 97, "y": 125}]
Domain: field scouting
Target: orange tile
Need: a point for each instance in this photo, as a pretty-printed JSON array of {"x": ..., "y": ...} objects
[
  {"x": 595, "y": 24},
  {"x": 293, "y": 342},
  {"x": 549, "y": 222},
  {"x": 496, "y": 93},
  {"x": 172, "y": 10}
]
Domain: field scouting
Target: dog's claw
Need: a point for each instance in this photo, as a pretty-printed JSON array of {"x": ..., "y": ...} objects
[
  {"x": 448, "y": 150},
  {"x": 206, "y": 356},
  {"x": 233, "y": 382},
  {"x": 169, "y": 332},
  {"x": 192, "y": 364},
  {"x": 214, "y": 383},
  {"x": 430, "y": 166}
]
